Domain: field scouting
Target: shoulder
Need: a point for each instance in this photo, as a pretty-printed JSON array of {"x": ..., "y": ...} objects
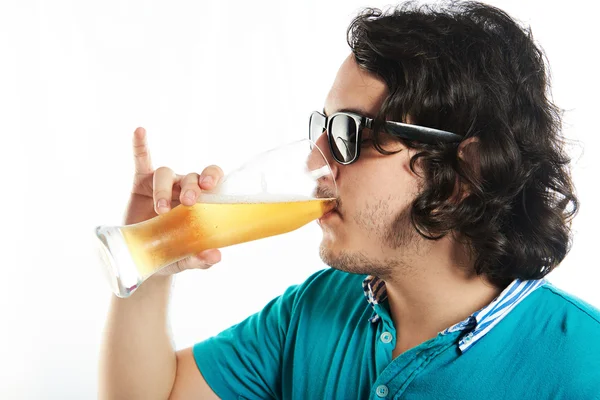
[
  {"x": 549, "y": 341},
  {"x": 555, "y": 315},
  {"x": 566, "y": 330},
  {"x": 575, "y": 314}
]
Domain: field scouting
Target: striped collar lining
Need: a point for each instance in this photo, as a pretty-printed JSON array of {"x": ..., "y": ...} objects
[{"x": 477, "y": 324}]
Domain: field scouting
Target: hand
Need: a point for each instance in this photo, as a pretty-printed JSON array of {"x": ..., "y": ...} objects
[{"x": 157, "y": 191}]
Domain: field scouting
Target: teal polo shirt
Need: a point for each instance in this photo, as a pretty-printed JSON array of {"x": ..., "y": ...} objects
[{"x": 322, "y": 340}]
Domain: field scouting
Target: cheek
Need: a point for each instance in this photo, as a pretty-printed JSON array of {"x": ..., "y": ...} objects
[
  {"x": 376, "y": 203},
  {"x": 373, "y": 215},
  {"x": 395, "y": 186},
  {"x": 382, "y": 185}
]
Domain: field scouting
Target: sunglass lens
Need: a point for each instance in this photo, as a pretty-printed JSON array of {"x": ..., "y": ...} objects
[
  {"x": 343, "y": 138},
  {"x": 316, "y": 126}
]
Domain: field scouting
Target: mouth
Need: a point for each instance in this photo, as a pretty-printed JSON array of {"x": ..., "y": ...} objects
[
  {"x": 326, "y": 193},
  {"x": 328, "y": 215}
]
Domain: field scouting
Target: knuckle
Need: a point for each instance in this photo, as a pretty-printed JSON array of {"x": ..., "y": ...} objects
[
  {"x": 189, "y": 183},
  {"x": 189, "y": 178},
  {"x": 162, "y": 193},
  {"x": 163, "y": 170},
  {"x": 184, "y": 192},
  {"x": 184, "y": 264},
  {"x": 140, "y": 148},
  {"x": 213, "y": 170},
  {"x": 192, "y": 263},
  {"x": 141, "y": 153}
]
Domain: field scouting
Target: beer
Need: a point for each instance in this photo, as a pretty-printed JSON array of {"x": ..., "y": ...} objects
[{"x": 216, "y": 221}]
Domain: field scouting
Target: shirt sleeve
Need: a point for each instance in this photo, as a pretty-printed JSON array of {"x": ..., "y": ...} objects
[{"x": 244, "y": 361}]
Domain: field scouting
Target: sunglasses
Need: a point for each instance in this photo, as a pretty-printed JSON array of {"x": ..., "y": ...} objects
[{"x": 344, "y": 131}]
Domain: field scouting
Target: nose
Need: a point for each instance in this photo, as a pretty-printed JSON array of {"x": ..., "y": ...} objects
[
  {"x": 323, "y": 144},
  {"x": 320, "y": 157}
]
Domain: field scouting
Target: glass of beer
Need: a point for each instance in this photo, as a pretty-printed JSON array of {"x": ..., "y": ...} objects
[{"x": 276, "y": 192}]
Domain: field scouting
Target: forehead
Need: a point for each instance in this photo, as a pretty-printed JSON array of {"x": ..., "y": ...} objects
[{"x": 355, "y": 88}]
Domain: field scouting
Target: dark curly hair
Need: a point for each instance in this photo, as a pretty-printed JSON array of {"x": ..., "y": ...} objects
[{"x": 469, "y": 68}]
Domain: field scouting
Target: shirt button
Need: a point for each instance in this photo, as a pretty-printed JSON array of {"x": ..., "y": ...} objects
[
  {"x": 386, "y": 337},
  {"x": 381, "y": 391},
  {"x": 469, "y": 337}
]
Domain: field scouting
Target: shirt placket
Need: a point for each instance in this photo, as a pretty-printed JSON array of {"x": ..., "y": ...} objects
[{"x": 394, "y": 376}]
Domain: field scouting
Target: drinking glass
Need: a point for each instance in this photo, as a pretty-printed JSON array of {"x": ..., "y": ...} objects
[{"x": 276, "y": 192}]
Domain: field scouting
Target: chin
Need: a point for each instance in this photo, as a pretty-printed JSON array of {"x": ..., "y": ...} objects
[
  {"x": 355, "y": 260},
  {"x": 330, "y": 245},
  {"x": 327, "y": 251},
  {"x": 340, "y": 260}
]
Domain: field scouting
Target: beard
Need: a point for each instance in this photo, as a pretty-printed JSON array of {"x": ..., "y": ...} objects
[{"x": 391, "y": 232}]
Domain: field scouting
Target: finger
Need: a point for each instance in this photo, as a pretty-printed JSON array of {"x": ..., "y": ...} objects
[
  {"x": 210, "y": 177},
  {"x": 204, "y": 260},
  {"x": 189, "y": 189},
  {"x": 210, "y": 257},
  {"x": 141, "y": 153},
  {"x": 163, "y": 181}
]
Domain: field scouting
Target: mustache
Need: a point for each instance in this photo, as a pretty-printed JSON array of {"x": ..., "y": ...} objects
[{"x": 325, "y": 192}]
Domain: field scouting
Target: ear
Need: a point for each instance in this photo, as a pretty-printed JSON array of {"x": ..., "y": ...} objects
[
  {"x": 468, "y": 157},
  {"x": 468, "y": 154}
]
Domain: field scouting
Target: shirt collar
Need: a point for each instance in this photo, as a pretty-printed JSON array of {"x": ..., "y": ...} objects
[
  {"x": 376, "y": 292},
  {"x": 477, "y": 324}
]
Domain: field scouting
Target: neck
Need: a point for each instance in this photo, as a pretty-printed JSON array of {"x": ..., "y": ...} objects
[{"x": 440, "y": 291}]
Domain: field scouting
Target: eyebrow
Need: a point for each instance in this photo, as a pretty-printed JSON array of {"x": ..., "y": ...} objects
[{"x": 353, "y": 110}]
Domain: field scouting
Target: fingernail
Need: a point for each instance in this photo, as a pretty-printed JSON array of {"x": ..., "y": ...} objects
[
  {"x": 190, "y": 194},
  {"x": 207, "y": 180},
  {"x": 162, "y": 203}
]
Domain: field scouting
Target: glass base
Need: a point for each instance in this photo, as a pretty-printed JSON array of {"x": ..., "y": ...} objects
[{"x": 120, "y": 269}]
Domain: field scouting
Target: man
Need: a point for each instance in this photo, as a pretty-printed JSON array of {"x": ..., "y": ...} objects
[{"x": 454, "y": 202}]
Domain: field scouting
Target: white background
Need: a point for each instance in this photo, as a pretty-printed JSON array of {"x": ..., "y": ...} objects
[{"x": 213, "y": 82}]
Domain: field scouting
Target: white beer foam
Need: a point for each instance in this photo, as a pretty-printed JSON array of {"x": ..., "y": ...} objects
[{"x": 216, "y": 198}]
